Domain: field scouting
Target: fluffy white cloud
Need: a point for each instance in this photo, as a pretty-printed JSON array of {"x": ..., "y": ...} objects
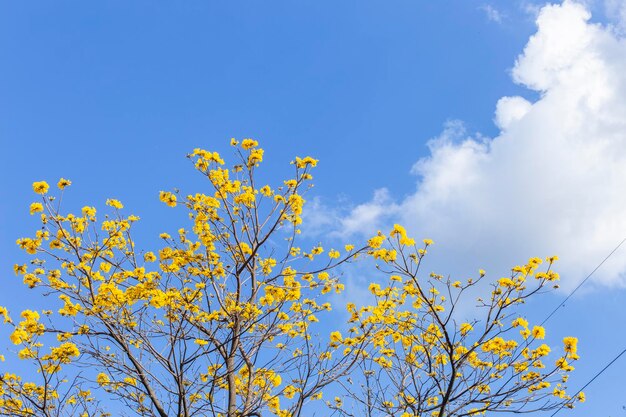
[
  {"x": 552, "y": 182},
  {"x": 511, "y": 109}
]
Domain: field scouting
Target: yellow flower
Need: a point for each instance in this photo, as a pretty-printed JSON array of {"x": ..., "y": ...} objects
[
  {"x": 18, "y": 336},
  {"x": 317, "y": 250},
  {"x": 35, "y": 208},
  {"x": 5, "y": 313},
  {"x": 466, "y": 328},
  {"x": 69, "y": 309},
  {"x": 130, "y": 381},
  {"x": 29, "y": 245},
  {"x": 571, "y": 346},
  {"x": 255, "y": 157},
  {"x": 506, "y": 282},
  {"x": 277, "y": 380},
  {"x": 103, "y": 379},
  {"x": 168, "y": 198},
  {"x": 519, "y": 322},
  {"x": 65, "y": 352},
  {"x": 397, "y": 230},
  {"x": 40, "y": 187},
  {"x": 267, "y": 265},
  {"x": 245, "y": 248},
  {"x": 63, "y": 183},
  {"x": 374, "y": 288},
  {"x": 290, "y": 391},
  {"x": 114, "y": 203},
  {"x": 335, "y": 337},
  {"x": 303, "y": 162},
  {"x": 249, "y": 143},
  {"x": 19, "y": 269},
  {"x": 538, "y": 332},
  {"x": 266, "y": 191},
  {"x": 31, "y": 280},
  {"x": 428, "y": 242},
  {"x": 377, "y": 241},
  {"x": 89, "y": 211},
  {"x": 561, "y": 363}
]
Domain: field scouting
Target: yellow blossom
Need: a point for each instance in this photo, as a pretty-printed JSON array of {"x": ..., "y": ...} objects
[
  {"x": 103, "y": 379},
  {"x": 88, "y": 211},
  {"x": 168, "y": 198},
  {"x": 304, "y": 162},
  {"x": 114, "y": 203},
  {"x": 40, "y": 187},
  {"x": 465, "y": 328},
  {"x": 35, "y": 208},
  {"x": 63, "y": 183},
  {"x": 571, "y": 347},
  {"x": 538, "y": 332},
  {"x": 377, "y": 241},
  {"x": 335, "y": 337},
  {"x": 249, "y": 144}
]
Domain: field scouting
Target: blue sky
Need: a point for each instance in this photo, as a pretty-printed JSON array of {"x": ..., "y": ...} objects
[{"x": 113, "y": 95}]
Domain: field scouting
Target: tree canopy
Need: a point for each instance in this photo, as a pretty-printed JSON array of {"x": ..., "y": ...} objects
[{"x": 233, "y": 316}]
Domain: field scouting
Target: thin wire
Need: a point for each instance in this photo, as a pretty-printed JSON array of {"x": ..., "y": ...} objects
[
  {"x": 592, "y": 379},
  {"x": 562, "y": 303}
]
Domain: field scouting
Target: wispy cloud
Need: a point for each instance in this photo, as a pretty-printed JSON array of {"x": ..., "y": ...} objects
[
  {"x": 616, "y": 12},
  {"x": 492, "y": 13}
]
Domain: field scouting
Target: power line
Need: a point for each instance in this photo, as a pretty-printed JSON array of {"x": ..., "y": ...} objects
[
  {"x": 562, "y": 303},
  {"x": 592, "y": 379}
]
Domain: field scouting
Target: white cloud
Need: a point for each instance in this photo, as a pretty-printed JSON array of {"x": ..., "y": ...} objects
[
  {"x": 616, "y": 12},
  {"x": 492, "y": 13},
  {"x": 509, "y": 110},
  {"x": 552, "y": 182},
  {"x": 371, "y": 214}
]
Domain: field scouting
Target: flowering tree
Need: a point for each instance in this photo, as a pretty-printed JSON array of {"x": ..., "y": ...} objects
[
  {"x": 425, "y": 359},
  {"x": 231, "y": 317}
]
